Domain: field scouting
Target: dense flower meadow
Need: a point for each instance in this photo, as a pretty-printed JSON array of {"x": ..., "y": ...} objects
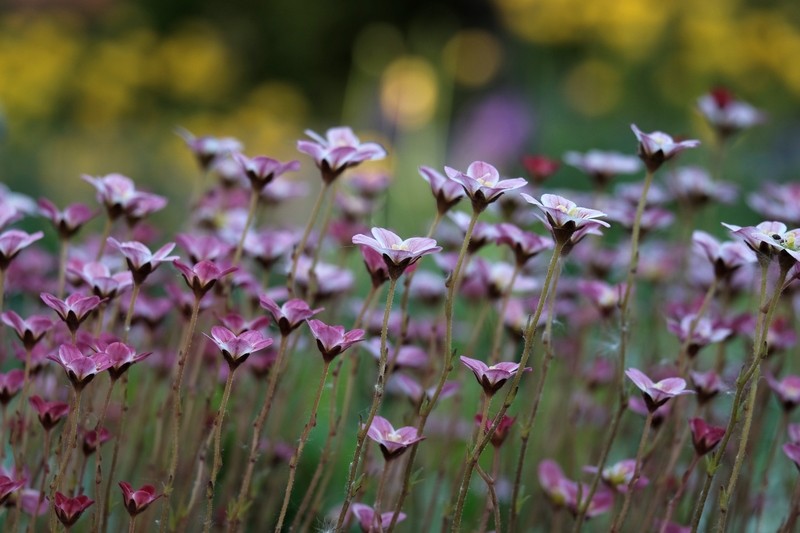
[{"x": 533, "y": 359}]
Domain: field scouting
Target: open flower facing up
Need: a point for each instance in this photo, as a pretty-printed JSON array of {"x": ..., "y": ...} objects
[
  {"x": 726, "y": 257},
  {"x": 138, "y": 500},
  {"x": 706, "y": 331},
  {"x": 290, "y": 315},
  {"x": 705, "y": 437},
  {"x": 68, "y": 510},
  {"x": 202, "y": 247},
  {"x": 122, "y": 357},
  {"x": 787, "y": 390},
  {"x": 564, "y": 218},
  {"x": 237, "y": 348},
  {"x": 208, "y": 149},
  {"x": 492, "y": 378},
  {"x": 11, "y": 383},
  {"x": 524, "y": 244},
  {"x": 261, "y": 170},
  {"x": 339, "y": 150},
  {"x": 49, "y": 413},
  {"x": 119, "y": 196},
  {"x": 447, "y": 192},
  {"x": 618, "y": 476},
  {"x": 202, "y": 276},
  {"x": 12, "y": 242},
  {"x": 606, "y": 297},
  {"x": 398, "y": 254},
  {"x": 80, "y": 369},
  {"x": 770, "y": 239},
  {"x": 74, "y": 310},
  {"x": 482, "y": 183},
  {"x": 657, "y": 394},
  {"x": 366, "y": 517},
  {"x": 726, "y": 114},
  {"x": 141, "y": 261},
  {"x": 657, "y": 147},
  {"x": 333, "y": 340},
  {"x": 68, "y": 221},
  {"x": 707, "y": 385},
  {"x": 777, "y": 201},
  {"x": 31, "y": 330},
  {"x": 601, "y": 166},
  {"x": 393, "y": 442},
  {"x": 411, "y": 388},
  {"x": 694, "y": 187}
]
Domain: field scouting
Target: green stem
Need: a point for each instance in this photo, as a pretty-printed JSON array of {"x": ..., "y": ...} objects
[
  {"x": 251, "y": 215},
  {"x": 637, "y": 470},
  {"x": 103, "y": 238},
  {"x": 63, "y": 254},
  {"x": 217, "y": 448},
  {"x": 304, "y": 239}
]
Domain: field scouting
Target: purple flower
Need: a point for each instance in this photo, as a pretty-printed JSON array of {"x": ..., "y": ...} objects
[
  {"x": 411, "y": 388},
  {"x": 619, "y": 475},
  {"x": 8, "y": 486},
  {"x": 601, "y": 166},
  {"x": 339, "y": 150},
  {"x": 93, "y": 439},
  {"x": 794, "y": 433},
  {"x": 202, "y": 276},
  {"x": 657, "y": 147},
  {"x": 366, "y": 517},
  {"x": 704, "y": 436},
  {"x": 787, "y": 390},
  {"x": 695, "y": 187},
  {"x": 202, "y": 247},
  {"x": 8, "y": 213},
  {"x": 12, "y": 242},
  {"x": 564, "y": 217},
  {"x": 482, "y": 183},
  {"x": 398, "y": 254},
  {"x": 777, "y": 202},
  {"x": 137, "y": 500},
  {"x": 540, "y": 167},
  {"x": 602, "y": 501},
  {"x": 208, "y": 149},
  {"x": 406, "y": 356},
  {"x": 657, "y": 394},
  {"x": 104, "y": 284},
  {"x": 290, "y": 315},
  {"x": 68, "y": 510},
  {"x": 492, "y": 378},
  {"x": 554, "y": 482},
  {"x": 49, "y": 413},
  {"x": 726, "y": 114},
  {"x": 238, "y": 324},
  {"x": 330, "y": 279},
  {"x": 792, "y": 451},
  {"x": 726, "y": 257},
  {"x": 524, "y": 244},
  {"x": 483, "y": 233},
  {"x": 606, "y": 297},
  {"x": 11, "y": 383},
  {"x": 31, "y": 330},
  {"x": 119, "y": 196},
  {"x": 68, "y": 221},
  {"x": 141, "y": 261},
  {"x": 122, "y": 357},
  {"x": 333, "y": 340},
  {"x": 376, "y": 266},
  {"x": 447, "y": 192},
  {"x": 74, "y": 310},
  {"x": 261, "y": 170},
  {"x": 706, "y": 331},
  {"x": 769, "y": 239},
  {"x": 393, "y": 442},
  {"x": 501, "y": 432},
  {"x": 80, "y": 369},
  {"x": 237, "y": 348},
  {"x": 706, "y": 384}
]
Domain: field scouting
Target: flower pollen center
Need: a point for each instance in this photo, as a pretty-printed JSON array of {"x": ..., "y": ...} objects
[
  {"x": 402, "y": 246},
  {"x": 394, "y": 437}
]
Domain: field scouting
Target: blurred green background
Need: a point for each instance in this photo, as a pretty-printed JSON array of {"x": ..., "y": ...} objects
[{"x": 98, "y": 86}]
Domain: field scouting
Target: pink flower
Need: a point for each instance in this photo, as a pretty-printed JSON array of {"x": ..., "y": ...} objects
[
  {"x": 11, "y": 383},
  {"x": 406, "y": 356},
  {"x": 726, "y": 257},
  {"x": 261, "y": 170},
  {"x": 482, "y": 183},
  {"x": 74, "y": 310},
  {"x": 657, "y": 394},
  {"x": 202, "y": 276},
  {"x": 657, "y": 147},
  {"x": 705, "y": 437},
  {"x": 8, "y": 213},
  {"x": 619, "y": 475},
  {"x": 49, "y": 413},
  {"x": 540, "y": 167},
  {"x": 290, "y": 315},
  {"x": 138, "y": 500},
  {"x": 447, "y": 192},
  {"x": 13, "y": 242},
  {"x": 706, "y": 331},
  {"x": 104, "y": 284},
  {"x": 333, "y": 340},
  {"x": 492, "y": 378},
  {"x": 564, "y": 218},
  {"x": 502, "y": 431},
  {"x": 366, "y": 517},
  {"x": 787, "y": 390},
  {"x": 68, "y": 221},
  {"x": 601, "y": 166},
  {"x": 31, "y": 330},
  {"x": 208, "y": 149},
  {"x": 777, "y": 201},
  {"x": 80, "y": 369},
  {"x": 119, "y": 196},
  {"x": 237, "y": 348},
  {"x": 411, "y": 388},
  {"x": 339, "y": 150},
  {"x": 398, "y": 254},
  {"x": 524, "y": 244},
  {"x": 393, "y": 442},
  {"x": 122, "y": 357},
  {"x": 770, "y": 239},
  {"x": 695, "y": 187},
  {"x": 94, "y": 439},
  {"x": 202, "y": 247},
  {"x": 707, "y": 385},
  {"x": 726, "y": 114},
  {"x": 68, "y": 510},
  {"x": 554, "y": 483},
  {"x": 8, "y": 486},
  {"x": 141, "y": 261},
  {"x": 238, "y": 324},
  {"x": 792, "y": 451},
  {"x": 376, "y": 266},
  {"x": 606, "y": 297}
]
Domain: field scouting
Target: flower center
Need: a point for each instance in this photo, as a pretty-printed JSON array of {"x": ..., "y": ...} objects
[
  {"x": 660, "y": 138},
  {"x": 485, "y": 180},
  {"x": 567, "y": 210},
  {"x": 394, "y": 437},
  {"x": 402, "y": 246}
]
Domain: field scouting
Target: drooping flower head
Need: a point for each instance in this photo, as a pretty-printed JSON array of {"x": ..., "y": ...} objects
[
  {"x": 261, "y": 170},
  {"x": 80, "y": 369},
  {"x": 657, "y": 394},
  {"x": 657, "y": 147},
  {"x": 141, "y": 261},
  {"x": 564, "y": 218},
  {"x": 482, "y": 183},
  {"x": 398, "y": 254},
  {"x": 70, "y": 220},
  {"x": 69, "y": 510},
  {"x": 12, "y": 242},
  {"x": 137, "y": 500},
  {"x": 726, "y": 114},
  {"x": 339, "y": 150},
  {"x": 74, "y": 310},
  {"x": 237, "y": 348},
  {"x": 290, "y": 315},
  {"x": 393, "y": 442},
  {"x": 705, "y": 437},
  {"x": 333, "y": 340},
  {"x": 447, "y": 192},
  {"x": 492, "y": 378}
]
